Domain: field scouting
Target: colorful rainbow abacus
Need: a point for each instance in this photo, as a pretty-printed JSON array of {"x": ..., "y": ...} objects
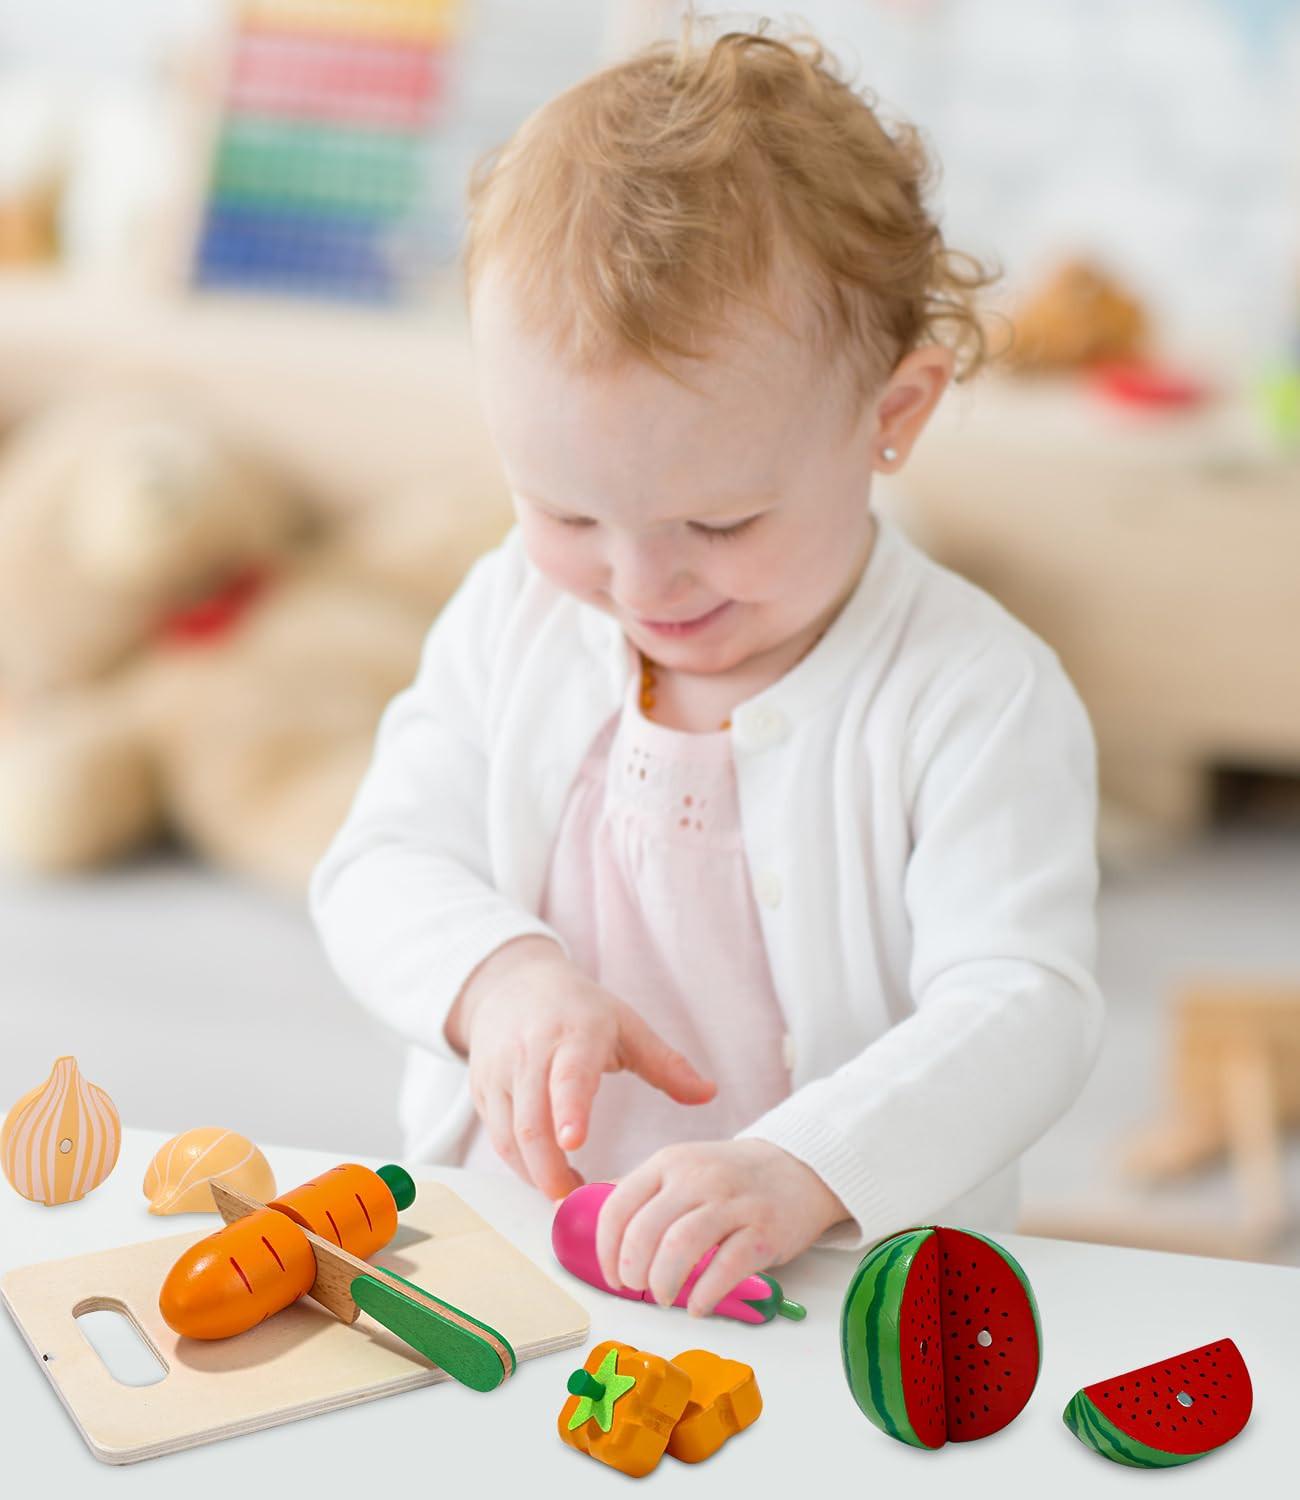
[{"x": 319, "y": 180}]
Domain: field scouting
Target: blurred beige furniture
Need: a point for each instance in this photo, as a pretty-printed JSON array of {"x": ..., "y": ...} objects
[
  {"x": 1234, "y": 1086},
  {"x": 1157, "y": 553},
  {"x": 1232, "y": 1091},
  {"x": 361, "y": 404}
]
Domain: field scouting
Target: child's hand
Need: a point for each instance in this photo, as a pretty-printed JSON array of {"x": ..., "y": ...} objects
[
  {"x": 758, "y": 1204},
  {"x": 539, "y": 1034}
]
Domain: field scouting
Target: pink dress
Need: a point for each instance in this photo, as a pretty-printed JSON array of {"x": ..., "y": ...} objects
[{"x": 649, "y": 887}]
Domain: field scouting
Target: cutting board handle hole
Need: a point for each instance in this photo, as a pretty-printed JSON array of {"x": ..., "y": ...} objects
[{"x": 123, "y": 1346}]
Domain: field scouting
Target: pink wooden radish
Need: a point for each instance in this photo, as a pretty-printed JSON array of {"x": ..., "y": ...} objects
[{"x": 757, "y": 1299}]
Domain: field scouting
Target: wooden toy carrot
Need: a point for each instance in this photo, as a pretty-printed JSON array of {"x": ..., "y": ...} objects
[
  {"x": 351, "y": 1205},
  {"x": 268, "y": 1256},
  {"x": 230, "y": 1281}
]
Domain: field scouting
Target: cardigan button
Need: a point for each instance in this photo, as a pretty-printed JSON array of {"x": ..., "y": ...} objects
[
  {"x": 764, "y": 724},
  {"x": 767, "y": 887}
]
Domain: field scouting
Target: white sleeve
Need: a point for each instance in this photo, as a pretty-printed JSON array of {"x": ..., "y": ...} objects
[
  {"x": 1000, "y": 892},
  {"x": 403, "y": 898}
]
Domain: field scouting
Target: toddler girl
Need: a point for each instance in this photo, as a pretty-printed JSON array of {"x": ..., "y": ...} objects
[{"x": 723, "y": 844}]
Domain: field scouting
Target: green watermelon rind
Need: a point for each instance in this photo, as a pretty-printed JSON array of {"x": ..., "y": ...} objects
[
  {"x": 1024, "y": 1283},
  {"x": 1096, "y": 1431},
  {"x": 870, "y": 1352}
]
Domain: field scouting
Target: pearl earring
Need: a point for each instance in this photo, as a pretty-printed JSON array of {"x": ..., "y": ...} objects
[{"x": 889, "y": 454}]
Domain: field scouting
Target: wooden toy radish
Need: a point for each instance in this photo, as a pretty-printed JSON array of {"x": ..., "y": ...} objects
[
  {"x": 268, "y": 1256},
  {"x": 756, "y": 1299}
]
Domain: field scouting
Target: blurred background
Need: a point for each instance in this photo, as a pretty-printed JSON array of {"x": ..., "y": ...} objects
[{"x": 241, "y": 469}]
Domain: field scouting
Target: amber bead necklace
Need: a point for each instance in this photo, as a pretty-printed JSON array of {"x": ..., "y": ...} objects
[{"x": 649, "y": 682}]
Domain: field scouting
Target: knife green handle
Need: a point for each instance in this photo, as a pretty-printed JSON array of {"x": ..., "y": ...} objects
[{"x": 468, "y": 1350}]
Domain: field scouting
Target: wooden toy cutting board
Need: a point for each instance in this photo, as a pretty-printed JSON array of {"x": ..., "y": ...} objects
[{"x": 300, "y": 1362}]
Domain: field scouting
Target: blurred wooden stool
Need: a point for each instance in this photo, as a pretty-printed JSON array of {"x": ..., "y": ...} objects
[{"x": 1234, "y": 1087}]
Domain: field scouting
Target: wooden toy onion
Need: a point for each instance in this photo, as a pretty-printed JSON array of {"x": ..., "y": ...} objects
[
  {"x": 62, "y": 1139},
  {"x": 178, "y": 1179}
]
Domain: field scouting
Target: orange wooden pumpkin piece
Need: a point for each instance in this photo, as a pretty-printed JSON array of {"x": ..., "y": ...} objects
[
  {"x": 724, "y": 1401},
  {"x": 622, "y": 1407}
]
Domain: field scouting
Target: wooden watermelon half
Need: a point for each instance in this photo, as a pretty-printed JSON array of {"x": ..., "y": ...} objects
[
  {"x": 940, "y": 1337},
  {"x": 1171, "y": 1412}
]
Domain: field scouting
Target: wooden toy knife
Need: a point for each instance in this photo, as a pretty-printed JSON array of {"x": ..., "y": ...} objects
[{"x": 469, "y": 1351}]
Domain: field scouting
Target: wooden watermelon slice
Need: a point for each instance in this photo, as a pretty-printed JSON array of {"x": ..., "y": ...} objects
[
  {"x": 940, "y": 1336},
  {"x": 1169, "y": 1413}
]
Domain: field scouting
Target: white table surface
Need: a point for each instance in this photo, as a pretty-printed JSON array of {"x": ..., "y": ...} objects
[{"x": 1104, "y": 1310}]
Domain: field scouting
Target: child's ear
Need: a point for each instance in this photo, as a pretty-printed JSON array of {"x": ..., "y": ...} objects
[{"x": 904, "y": 406}]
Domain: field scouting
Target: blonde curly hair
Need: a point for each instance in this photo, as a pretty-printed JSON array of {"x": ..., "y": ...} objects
[{"x": 633, "y": 213}]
